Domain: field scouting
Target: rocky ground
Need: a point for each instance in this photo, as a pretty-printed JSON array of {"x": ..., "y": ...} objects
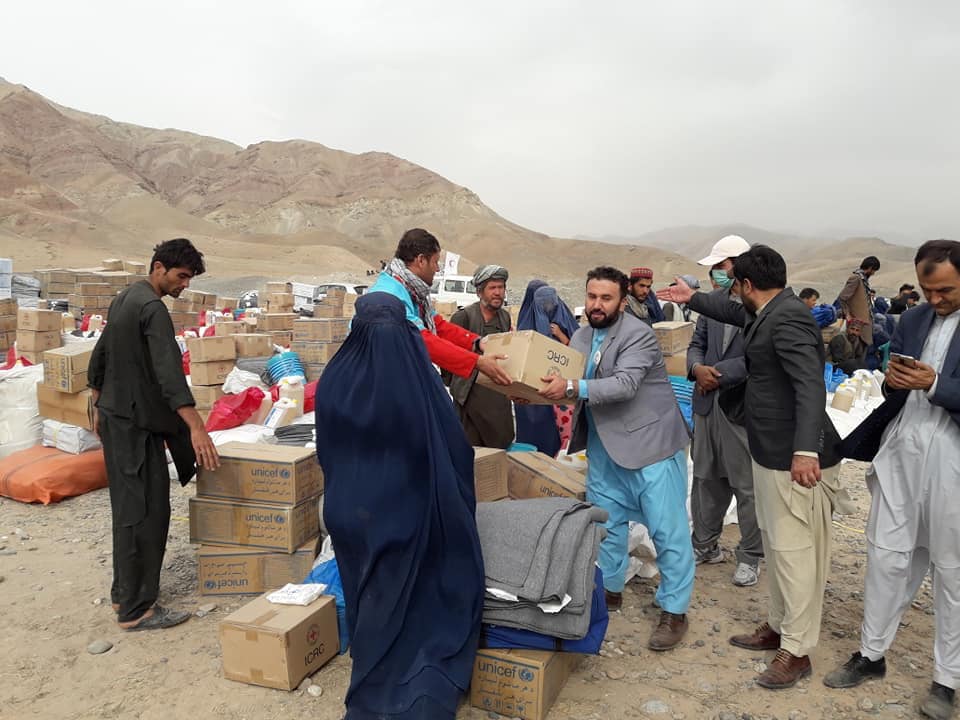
[{"x": 55, "y": 568}]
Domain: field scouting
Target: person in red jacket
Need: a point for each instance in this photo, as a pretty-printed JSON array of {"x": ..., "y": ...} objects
[{"x": 409, "y": 277}]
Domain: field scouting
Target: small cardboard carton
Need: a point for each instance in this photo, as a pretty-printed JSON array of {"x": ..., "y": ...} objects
[
  {"x": 36, "y": 320},
  {"x": 277, "y": 646},
  {"x": 676, "y": 364},
  {"x": 520, "y": 683},
  {"x": 490, "y": 474},
  {"x": 253, "y": 524},
  {"x": 315, "y": 352},
  {"x": 673, "y": 336},
  {"x": 278, "y": 287},
  {"x": 530, "y": 357},
  {"x": 210, "y": 373},
  {"x": 253, "y": 345},
  {"x": 101, "y": 289},
  {"x": 283, "y": 338},
  {"x": 206, "y": 395},
  {"x": 8, "y": 306},
  {"x": 243, "y": 571},
  {"x": 32, "y": 341},
  {"x": 229, "y": 327},
  {"x": 70, "y": 408},
  {"x": 280, "y": 299},
  {"x": 264, "y": 473},
  {"x": 276, "y": 321},
  {"x": 65, "y": 368},
  {"x": 533, "y": 475},
  {"x": 8, "y": 323},
  {"x": 321, "y": 330},
  {"x": 211, "y": 349},
  {"x": 324, "y": 310}
]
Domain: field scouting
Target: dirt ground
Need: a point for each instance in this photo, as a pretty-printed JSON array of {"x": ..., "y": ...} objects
[{"x": 55, "y": 567}]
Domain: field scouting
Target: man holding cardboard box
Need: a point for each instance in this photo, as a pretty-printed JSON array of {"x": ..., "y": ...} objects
[
  {"x": 628, "y": 419},
  {"x": 142, "y": 401},
  {"x": 409, "y": 277}
]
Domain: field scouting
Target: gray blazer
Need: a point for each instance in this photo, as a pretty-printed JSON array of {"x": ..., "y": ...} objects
[
  {"x": 630, "y": 398},
  {"x": 708, "y": 347}
]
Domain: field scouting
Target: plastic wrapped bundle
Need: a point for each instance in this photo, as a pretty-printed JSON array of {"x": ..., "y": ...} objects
[
  {"x": 824, "y": 315},
  {"x": 68, "y": 438}
]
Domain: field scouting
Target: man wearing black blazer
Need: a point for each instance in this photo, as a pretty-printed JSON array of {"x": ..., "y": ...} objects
[
  {"x": 914, "y": 522},
  {"x": 793, "y": 445}
]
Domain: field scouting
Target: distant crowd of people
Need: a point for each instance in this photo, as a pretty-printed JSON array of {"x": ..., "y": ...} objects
[{"x": 399, "y": 495}]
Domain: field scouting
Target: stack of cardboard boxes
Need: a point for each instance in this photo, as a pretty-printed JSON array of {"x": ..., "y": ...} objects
[
  {"x": 674, "y": 339},
  {"x": 256, "y": 517},
  {"x": 63, "y": 394},
  {"x": 278, "y": 297},
  {"x": 37, "y": 332},
  {"x": 211, "y": 360},
  {"x": 350, "y": 304},
  {"x": 92, "y": 299},
  {"x": 185, "y": 311},
  {"x": 331, "y": 306},
  {"x": 316, "y": 341},
  {"x": 279, "y": 326},
  {"x": 8, "y": 323}
]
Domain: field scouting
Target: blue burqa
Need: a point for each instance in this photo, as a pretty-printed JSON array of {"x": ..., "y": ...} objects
[
  {"x": 536, "y": 424},
  {"x": 399, "y": 505}
]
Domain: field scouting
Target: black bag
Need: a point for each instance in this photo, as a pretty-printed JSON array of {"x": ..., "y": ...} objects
[{"x": 864, "y": 442}]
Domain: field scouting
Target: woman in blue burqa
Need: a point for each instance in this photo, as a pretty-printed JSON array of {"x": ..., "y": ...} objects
[
  {"x": 400, "y": 508},
  {"x": 543, "y": 310}
]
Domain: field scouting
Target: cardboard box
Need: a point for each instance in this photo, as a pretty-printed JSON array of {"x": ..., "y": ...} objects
[
  {"x": 71, "y": 408},
  {"x": 327, "y": 311},
  {"x": 445, "y": 307},
  {"x": 207, "y": 300},
  {"x": 118, "y": 278},
  {"x": 90, "y": 302},
  {"x": 65, "y": 368},
  {"x": 531, "y": 356},
  {"x": 313, "y": 371},
  {"x": 112, "y": 264},
  {"x": 228, "y": 303},
  {"x": 206, "y": 395},
  {"x": 211, "y": 349},
  {"x": 490, "y": 474},
  {"x": 38, "y": 320},
  {"x": 336, "y": 293},
  {"x": 252, "y": 524},
  {"x": 7, "y": 339},
  {"x": 135, "y": 268},
  {"x": 60, "y": 290},
  {"x": 277, "y": 646},
  {"x": 321, "y": 330},
  {"x": 519, "y": 683},
  {"x": 243, "y": 571},
  {"x": 315, "y": 352},
  {"x": 34, "y": 357},
  {"x": 102, "y": 289},
  {"x": 8, "y": 306},
  {"x": 532, "y": 475},
  {"x": 276, "y": 321},
  {"x": 225, "y": 328},
  {"x": 210, "y": 373},
  {"x": 253, "y": 345},
  {"x": 676, "y": 364},
  {"x": 263, "y": 473},
  {"x": 280, "y": 298},
  {"x": 278, "y": 287},
  {"x": 8, "y": 323},
  {"x": 282, "y": 338},
  {"x": 673, "y": 336},
  {"x": 39, "y": 341}
]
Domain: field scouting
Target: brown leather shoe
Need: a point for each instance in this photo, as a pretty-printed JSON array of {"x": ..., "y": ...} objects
[
  {"x": 670, "y": 631},
  {"x": 614, "y": 600},
  {"x": 784, "y": 671},
  {"x": 763, "y": 638}
]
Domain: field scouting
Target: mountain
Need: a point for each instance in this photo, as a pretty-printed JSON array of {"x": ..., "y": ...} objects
[{"x": 77, "y": 187}]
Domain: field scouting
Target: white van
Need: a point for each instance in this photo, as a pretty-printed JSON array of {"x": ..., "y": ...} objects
[{"x": 458, "y": 288}]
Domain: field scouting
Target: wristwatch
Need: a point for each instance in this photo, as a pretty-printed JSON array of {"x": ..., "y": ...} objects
[{"x": 571, "y": 392}]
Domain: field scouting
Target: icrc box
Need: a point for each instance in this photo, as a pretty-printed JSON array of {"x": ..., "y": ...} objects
[
  {"x": 530, "y": 357},
  {"x": 264, "y": 473}
]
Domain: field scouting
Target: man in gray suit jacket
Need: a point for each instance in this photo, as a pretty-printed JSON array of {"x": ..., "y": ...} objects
[
  {"x": 721, "y": 458},
  {"x": 627, "y": 418},
  {"x": 795, "y": 451}
]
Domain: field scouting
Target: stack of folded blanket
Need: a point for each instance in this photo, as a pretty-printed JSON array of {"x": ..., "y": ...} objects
[{"x": 539, "y": 558}]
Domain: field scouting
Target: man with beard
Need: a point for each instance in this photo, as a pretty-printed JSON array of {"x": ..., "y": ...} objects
[
  {"x": 641, "y": 302},
  {"x": 854, "y": 299},
  {"x": 485, "y": 415},
  {"x": 627, "y": 418},
  {"x": 794, "y": 447}
]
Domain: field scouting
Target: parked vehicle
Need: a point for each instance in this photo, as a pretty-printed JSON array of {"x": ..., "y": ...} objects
[
  {"x": 458, "y": 288},
  {"x": 306, "y": 295}
]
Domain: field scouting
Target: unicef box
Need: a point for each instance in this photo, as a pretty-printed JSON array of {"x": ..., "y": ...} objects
[
  {"x": 248, "y": 571},
  {"x": 252, "y": 524},
  {"x": 265, "y": 473},
  {"x": 519, "y": 683},
  {"x": 530, "y": 357}
]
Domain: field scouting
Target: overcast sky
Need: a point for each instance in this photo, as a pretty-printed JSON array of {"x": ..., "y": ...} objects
[{"x": 566, "y": 117}]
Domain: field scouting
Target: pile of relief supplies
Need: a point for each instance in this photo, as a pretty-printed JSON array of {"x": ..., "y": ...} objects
[{"x": 543, "y": 589}]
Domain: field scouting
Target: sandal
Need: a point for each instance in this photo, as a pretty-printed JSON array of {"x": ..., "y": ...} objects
[{"x": 161, "y": 619}]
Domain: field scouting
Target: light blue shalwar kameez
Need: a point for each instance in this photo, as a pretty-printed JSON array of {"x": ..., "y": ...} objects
[{"x": 654, "y": 496}]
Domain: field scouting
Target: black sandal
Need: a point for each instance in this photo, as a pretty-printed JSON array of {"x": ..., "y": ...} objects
[{"x": 161, "y": 619}]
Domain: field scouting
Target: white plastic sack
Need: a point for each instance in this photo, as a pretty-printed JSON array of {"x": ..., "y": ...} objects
[
  {"x": 239, "y": 380},
  {"x": 68, "y": 438},
  {"x": 243, "y": 433},
  {"x": 20, "y": 424}
]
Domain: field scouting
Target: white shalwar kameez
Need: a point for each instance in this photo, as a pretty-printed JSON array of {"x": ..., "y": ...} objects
[{"x": 914, "y": 522}]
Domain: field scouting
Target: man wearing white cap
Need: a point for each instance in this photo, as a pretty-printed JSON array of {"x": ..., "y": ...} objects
[{"x": 721, "y": 458}]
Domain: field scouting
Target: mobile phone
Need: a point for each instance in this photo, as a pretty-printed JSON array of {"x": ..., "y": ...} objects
[{"x": 907, "y": 360}]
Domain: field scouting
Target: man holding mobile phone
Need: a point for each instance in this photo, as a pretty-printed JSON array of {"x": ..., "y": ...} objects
[{"x": 914, "y": 522}]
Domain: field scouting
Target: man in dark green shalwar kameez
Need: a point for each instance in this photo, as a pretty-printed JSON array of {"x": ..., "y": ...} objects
[{"x": 143, "y": 402}]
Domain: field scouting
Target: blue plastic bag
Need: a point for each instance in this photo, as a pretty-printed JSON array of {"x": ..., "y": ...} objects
[{"x": 328, "y": 573}]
